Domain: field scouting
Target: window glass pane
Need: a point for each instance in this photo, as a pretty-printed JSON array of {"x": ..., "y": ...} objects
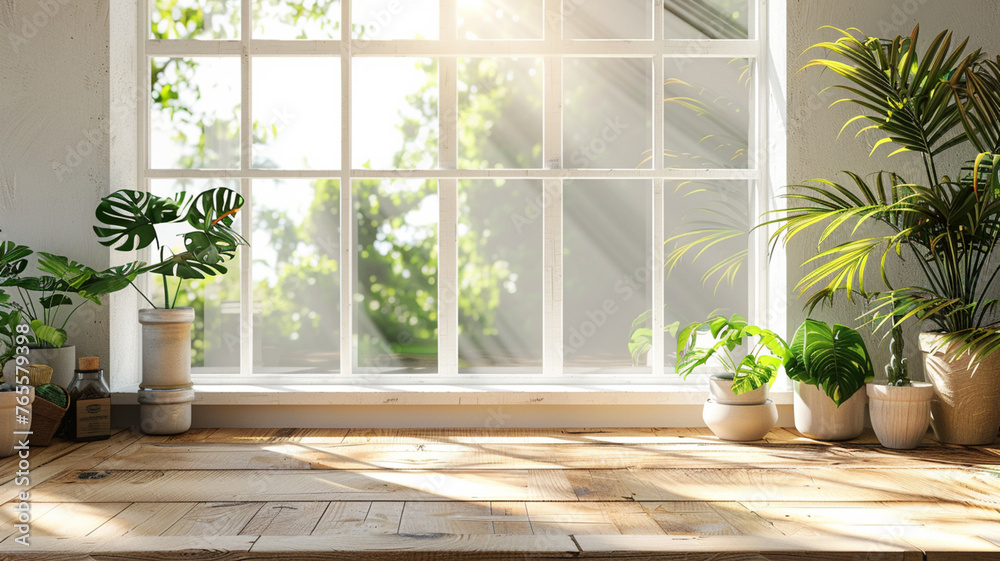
[
  {"x": 706, "y": 225},
  {"x": 607, "y": 113},
  {"x": 500, "y": 112},
  {"x": 308, "y": 19},
  {"x": 195, "y": 113},
  {"x": 500, "y": 275},
  {"x": 395, "y": 109},
  {"x": 608, "y": 19},
  {"x": 607, "y": 237},
  {"x": 194, "y": 19},
  {"x": 381, "y": 20},
  {"x": 500, "y": 19},
  {"x": 707, "y": 112},
  {"x": 215, "y": 337},
  {"x": 296, "y": 275},
  {"x": 395, "y": 303},
  {"x": 296, "y": 113},
  {"x": 707, "y": 19}
]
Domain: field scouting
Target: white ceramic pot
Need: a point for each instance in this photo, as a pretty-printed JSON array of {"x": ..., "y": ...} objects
[
  {"x": 165, "y": 393},
  {"x": 900, "y": 414},
  {"x": 739, "y": 422},
  {"x": 61, "y": 360},
  {"x": 9, "y": 401},
  {"x": 819, "y": 418},
  {"x": 965, "y": 408},
  {"x": 722, "y": 392}
]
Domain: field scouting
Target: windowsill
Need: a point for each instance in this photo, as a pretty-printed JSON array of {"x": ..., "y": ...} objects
[{"x": 445, "y": 394}]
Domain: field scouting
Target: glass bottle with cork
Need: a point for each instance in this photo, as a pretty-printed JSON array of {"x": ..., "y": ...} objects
[{"x": 89, "y": 414}]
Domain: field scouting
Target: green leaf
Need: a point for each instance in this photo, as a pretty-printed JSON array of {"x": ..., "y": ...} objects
[
  {"x": 54, "y": 300},
  {"x": 48, "y": 334},
  {"x": 834, "y": 359},
  {"x": 129, "y": 218}
]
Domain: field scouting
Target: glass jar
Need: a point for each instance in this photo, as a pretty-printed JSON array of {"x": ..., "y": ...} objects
[{"x": 89, "y": 414}]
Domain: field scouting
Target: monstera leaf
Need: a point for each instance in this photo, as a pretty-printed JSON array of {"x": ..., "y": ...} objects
[
  {"x": 87, "y": 282},
  {"x": 834, "y": 359},
  {"x": 213, "y": 208},
  {"x": 52, "y": 335},
  {"x": 130, "y": 218},
  {"x": 12, "y": 259}
]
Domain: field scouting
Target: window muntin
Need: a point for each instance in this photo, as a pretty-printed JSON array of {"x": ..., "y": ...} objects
[{"x": 575, "y": 122}]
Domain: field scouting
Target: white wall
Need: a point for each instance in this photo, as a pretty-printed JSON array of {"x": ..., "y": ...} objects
[
  {"x": 813, "y": 148},
  {"x": 54, "y": 142}
]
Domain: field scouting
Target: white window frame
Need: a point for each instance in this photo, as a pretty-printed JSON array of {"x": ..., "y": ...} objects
[{"x": 766, "y": 287}]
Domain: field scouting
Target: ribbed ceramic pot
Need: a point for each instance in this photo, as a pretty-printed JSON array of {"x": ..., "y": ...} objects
[
  {"x": 819, "y": 418},
  {"x": 9, "y": 401},
  {"x": 900, "y": 414},
  {"x": 722, "y": 392},
  {"x": 165, "y": 393},
  {"x": 965, "y": 408}
]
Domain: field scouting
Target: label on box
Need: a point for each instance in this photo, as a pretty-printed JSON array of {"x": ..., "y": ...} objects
[{"x": 93, "y": 417}]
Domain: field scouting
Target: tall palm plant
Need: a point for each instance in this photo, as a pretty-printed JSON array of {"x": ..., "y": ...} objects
[{"x": 924, "y": 103}]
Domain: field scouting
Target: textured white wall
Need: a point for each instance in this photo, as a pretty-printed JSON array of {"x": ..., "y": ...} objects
[
  {"x": 813, "y": 147},
  {"x": 54, "y": 141}
]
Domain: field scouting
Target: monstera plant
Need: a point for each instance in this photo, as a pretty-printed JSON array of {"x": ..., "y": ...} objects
[{"x": 129, "y": 221}]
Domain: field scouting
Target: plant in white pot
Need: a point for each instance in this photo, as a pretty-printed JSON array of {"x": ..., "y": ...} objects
[
  {"x": 47, "y": 302},
  {"x": 942, "y": 231},
  {"x": 738, "y": 408},
  {"x": 828, "y": 366},
  {"x": 129, "y": 221},
  {"x": 900, "y": 408}
]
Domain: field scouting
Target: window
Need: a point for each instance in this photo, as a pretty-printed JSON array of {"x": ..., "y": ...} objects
[{"x": 463, "y": 189}]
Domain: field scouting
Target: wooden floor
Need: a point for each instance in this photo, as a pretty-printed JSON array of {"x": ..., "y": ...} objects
[{"x": 502, "y": 494}]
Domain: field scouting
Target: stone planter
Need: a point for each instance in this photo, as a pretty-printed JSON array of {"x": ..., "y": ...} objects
[
  {"x": 165, "y": 393},
  {"x": 61, "y": 360},
  {"x": 747, "y": 416},
  {"x": 900, "y": 414},
  {"x": 8, "y": 421},
  {"x": 965, "y": 408},
  {"x": 819, "y": 418}
]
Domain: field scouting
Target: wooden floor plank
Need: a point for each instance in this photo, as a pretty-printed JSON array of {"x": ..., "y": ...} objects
[
  {"x": 285, "y": 519},
  {"x": 419, "y": 543},
  {"x": 565, "y": 518},
  {"x": 142, "y": 519},
  {"x": 446, "y": 517},
  {"x": 510, "y": 518},
  {"x": 360, "y": 517},
  {"x": 214, "y": 519},
  {"x": 74, "y": 520}
]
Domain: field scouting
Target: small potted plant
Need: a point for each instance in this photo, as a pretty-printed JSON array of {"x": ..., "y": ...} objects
[
  {"x": 128, "y": 223},
  {"x": 828, "y": 366},
  {"x": 900, "y": 408},
  {"x": 15, "y": 400},
  {"x": 48, "y": 301},
  {"x": 738, "y": 408}
]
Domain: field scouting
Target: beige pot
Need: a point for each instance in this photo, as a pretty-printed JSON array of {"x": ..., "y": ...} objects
[
  {"x": 900, "y": 414},
  {"x": 722, "y": 392},
  {"x": 819, "y": 418},
  {"x": 739, "y": 422},
  {"x": 165, "y": 393},
  {"x": 9, "y": 401},
  {"x": 965, "y": 408}
]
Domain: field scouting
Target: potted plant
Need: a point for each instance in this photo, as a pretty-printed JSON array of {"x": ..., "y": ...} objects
[
  {"x": 738, "y": 408},
  {"x": 828, "y": 365},
  {"x": 46, "y": 302},
  {"x": 128, "y": 223},
  {"x": 15, "y": 396},
  {"x": 945, "y": 229},
  {"x": 900, "y": 408}
]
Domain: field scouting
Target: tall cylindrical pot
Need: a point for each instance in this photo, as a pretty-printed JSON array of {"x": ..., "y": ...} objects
[
  {"x": 165, "y": 393},
  {"x": 819, "y": 418},
  {"x": 965, "y": 408},
  {"x": 900, "y": 414}
]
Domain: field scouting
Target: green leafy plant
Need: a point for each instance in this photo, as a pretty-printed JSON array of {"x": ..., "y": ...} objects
[
  {"x": 922, "y": 103},
  {"x": 756, "y": 368},
  {"x": 834, "y": 359},
  {"x": 129, "y": 220},
  {"x": 46, "y": 302}
]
